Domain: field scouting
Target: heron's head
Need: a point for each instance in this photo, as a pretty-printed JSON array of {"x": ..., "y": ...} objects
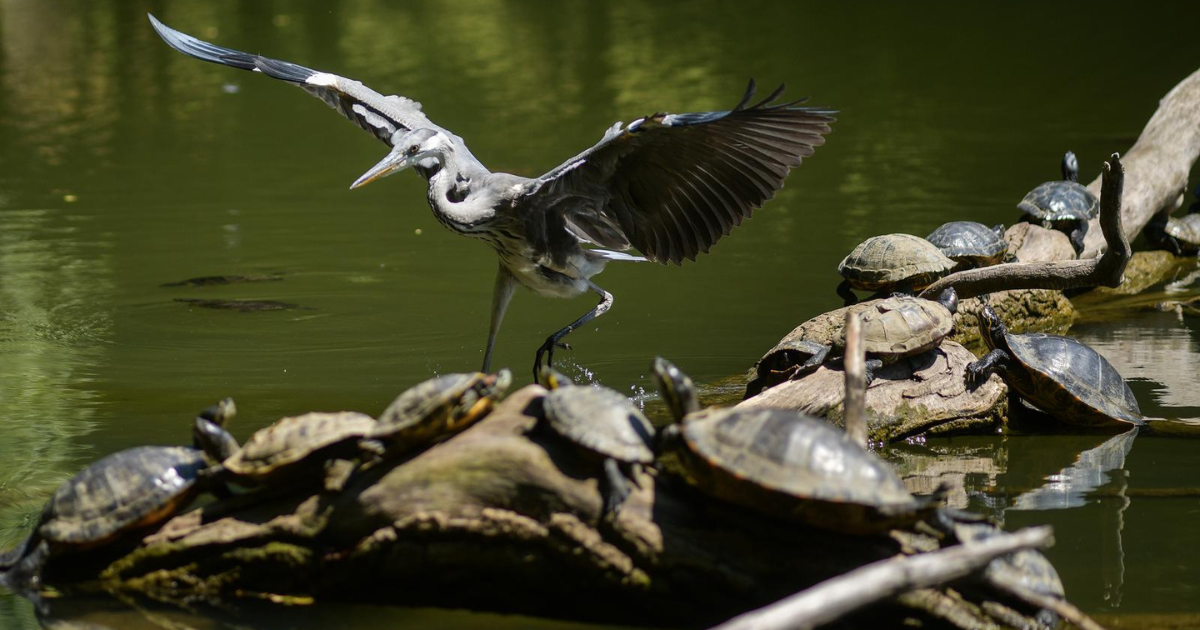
[{"x": 408, "y": 148}]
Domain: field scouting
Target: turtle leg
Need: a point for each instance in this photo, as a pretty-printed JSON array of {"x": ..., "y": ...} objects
[
  {"x": 843, "y": 291},
  {"x": 870, "y": 367},
  {"x": 1077, "y": 235},
  {"x": 614, "y": 487},
  {"x": 994, "y": 361}
]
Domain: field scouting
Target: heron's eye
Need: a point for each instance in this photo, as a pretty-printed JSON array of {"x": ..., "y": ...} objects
[{"x": 412, "y": 150}]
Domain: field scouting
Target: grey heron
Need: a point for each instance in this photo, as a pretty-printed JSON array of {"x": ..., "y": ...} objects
[{"x": 667, "y": 185}]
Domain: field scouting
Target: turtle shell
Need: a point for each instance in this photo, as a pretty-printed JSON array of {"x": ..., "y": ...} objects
[
  {"x": 600, "y": 420},
  {"x": 132, "y": 488},
  {"x": 902, "y": 326},
  {"x": 1060, "y": 201},
  {"x": 1185, "y": 229},
  {"x": 882, "y": 262},
  {"x": 439, "y": 407},
  {"x": 970, "y": 242},
  {"x": 1072, "y": 381},
  {"x": 797, "y": 466},
  {"x": 289, "y": 443},
  {"x": 790, "y": 359}
]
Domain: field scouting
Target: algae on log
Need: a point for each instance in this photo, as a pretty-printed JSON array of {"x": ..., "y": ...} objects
[
  {"x": 1157, "y": 164},
  {"x": 1023, "y": 310},
  {"x": 921, "y": 395},
  {"x": 503, "y": 517}
]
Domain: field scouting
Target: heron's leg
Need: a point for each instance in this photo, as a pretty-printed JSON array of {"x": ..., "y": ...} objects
[
  {"x": 502, "y": 294},
  {"x": 606, "y": 300}
]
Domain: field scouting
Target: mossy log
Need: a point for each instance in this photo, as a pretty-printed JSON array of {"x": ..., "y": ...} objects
[
  {"x": 922, "y": 395},
  {"x": 502, "y": 517}
]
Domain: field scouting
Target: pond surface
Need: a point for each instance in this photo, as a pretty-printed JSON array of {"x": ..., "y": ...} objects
[{"x": 125, "y": 166}]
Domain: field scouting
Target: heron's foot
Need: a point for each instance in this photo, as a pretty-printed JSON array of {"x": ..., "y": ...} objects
[{"x": 547, "y": 350}]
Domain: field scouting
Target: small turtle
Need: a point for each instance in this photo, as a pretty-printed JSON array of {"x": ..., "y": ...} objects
[
  {"x": 893, "y": 328},
  {"x": 297, "y": 446},
  {"x": 1060, "y": 375},
  {"x": 438, "y": 408},
  {"x": 892, "y": 263},
  {"x": 1064, "y": 205},
  {"x": 970, "y": 244},
  {"x": 1178, "y": 235},
  {"x": 604, "y": 424},
  {"x": 128, "y": 490},
  {"x": 784, "y": 463}
]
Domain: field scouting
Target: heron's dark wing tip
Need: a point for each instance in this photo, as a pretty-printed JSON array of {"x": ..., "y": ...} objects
[{"x": 200, "y": 49}]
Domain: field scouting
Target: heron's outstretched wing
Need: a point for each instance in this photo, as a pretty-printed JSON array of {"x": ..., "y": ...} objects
[
  {"x": 673, "y": 184},
  {"x": 381, "y": 115}
]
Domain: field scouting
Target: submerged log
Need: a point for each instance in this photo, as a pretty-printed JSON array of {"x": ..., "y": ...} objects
[{"x": 502, "y": 517}]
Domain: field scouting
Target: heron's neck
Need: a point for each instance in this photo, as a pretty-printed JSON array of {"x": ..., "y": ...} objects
[{"x": 458, "y": 193}]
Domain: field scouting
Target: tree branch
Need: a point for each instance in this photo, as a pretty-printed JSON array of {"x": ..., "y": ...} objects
[
  {"x": 855, "y": 404},
  {"x": 866, "y": 585}
]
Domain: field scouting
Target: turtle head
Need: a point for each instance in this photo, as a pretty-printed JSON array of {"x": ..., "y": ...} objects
[
  {"x": 677, "y": 388},
  {"x": 209, "y": 434},
  {"x": 1070, "y": 167},
  {"x": 991, "y": 328},
  {"x": 949, "y": 299}
]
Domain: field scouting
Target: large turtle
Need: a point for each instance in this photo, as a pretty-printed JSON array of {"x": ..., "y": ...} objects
[
  {"x": 604, "y": 425},
  {"x": 129, "y": 490},
  {"x": 891, "y": 263},
  {"x": 1063, "y": 205},
  {"x": 784, "y": 463},
  {"x": 970, "y": 244},
  {"x": 893, "y": 328},
  {"x": 1060, "y": 375}
]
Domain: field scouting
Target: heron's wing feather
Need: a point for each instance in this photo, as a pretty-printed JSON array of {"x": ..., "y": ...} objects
[
  {"x": 673, "y": 184},
  {"x": 381, "y": 115}
]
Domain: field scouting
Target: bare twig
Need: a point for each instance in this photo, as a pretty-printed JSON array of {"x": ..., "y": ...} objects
[
  {"x": 855, "y": 406},
  {"x": 1106, "y": 270},
  {"x": 866, "y": 585}
]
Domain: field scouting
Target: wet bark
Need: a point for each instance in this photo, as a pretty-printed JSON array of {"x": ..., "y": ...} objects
[{"x": 502, "y": 517}]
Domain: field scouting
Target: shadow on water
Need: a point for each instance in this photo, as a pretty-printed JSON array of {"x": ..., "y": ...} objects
[{"x": 125, "y": 166}]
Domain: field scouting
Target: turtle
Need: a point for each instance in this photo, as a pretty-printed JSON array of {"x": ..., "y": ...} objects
[
  {"x": 603, "y": 424},
  {"x": 970, "y": 244},
  {"x": 439, "y": 408},
  {"x": 891, "y": 263},
  {"x": 1063, "y": 205},
  {"x": 893, "y": 328},
  {"x": 784, "y": 463},
  {"x": 129, "y": 490},
  {"x": 1062, "y": 376},
  {"x": 1178, "y": 235},
  {"x": 297, "y": 446}
]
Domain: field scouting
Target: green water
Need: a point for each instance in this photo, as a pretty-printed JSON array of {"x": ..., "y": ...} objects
[{"x": 124, "y": 166}]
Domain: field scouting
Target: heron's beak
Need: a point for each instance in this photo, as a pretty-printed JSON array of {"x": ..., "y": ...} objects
[{"x": 393, "y": 163}]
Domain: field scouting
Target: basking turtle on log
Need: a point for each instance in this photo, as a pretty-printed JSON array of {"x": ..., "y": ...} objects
[
  {"x": 130, "y": 490},
  {"x": 1063, "y": 205},
  {"x": 970, "y": 244},
  {"x": 891, "y": 263},
  {"x": 893, "y": 328},
  {"x": 1060, "y": 375},
  {"x": 785, "y": 463}
]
